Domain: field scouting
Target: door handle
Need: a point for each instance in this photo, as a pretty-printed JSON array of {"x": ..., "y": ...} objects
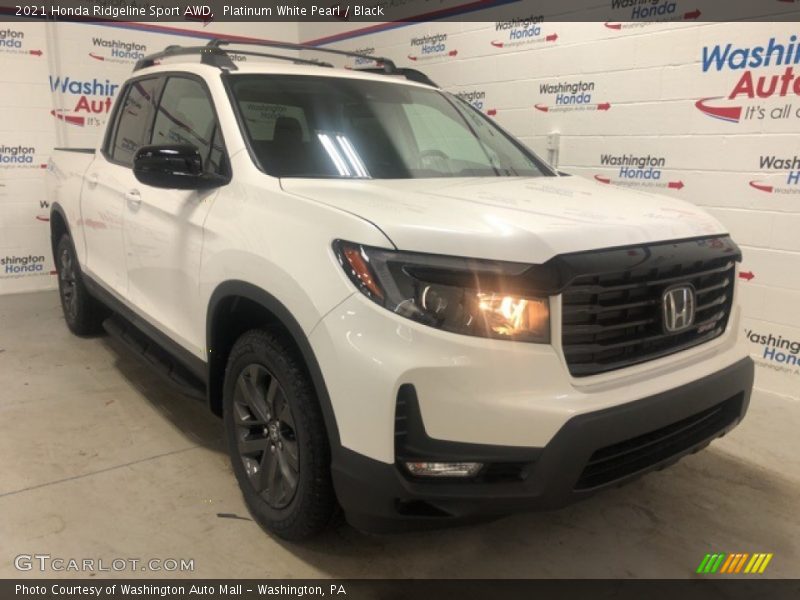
[
  {"x": 133, "y": 197},
  {"x": 92, "y": 179}
]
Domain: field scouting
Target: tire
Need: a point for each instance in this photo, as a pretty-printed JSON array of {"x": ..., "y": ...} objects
[
  {"x": 83, "y": 313},
  {"x": 276, "y": 437}
]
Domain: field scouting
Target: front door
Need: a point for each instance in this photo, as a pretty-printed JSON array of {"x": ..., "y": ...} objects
[{"x": 163, "y": 229}]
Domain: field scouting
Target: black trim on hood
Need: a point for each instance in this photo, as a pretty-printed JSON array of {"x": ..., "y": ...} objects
[{"x": 555, "y": 275}]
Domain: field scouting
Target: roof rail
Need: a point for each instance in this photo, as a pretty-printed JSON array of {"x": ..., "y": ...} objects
[
  {"x": 214, "y": 55},
  {"x": 410, "y": 74},
  {"x": 386, "y": 63},
  {"x": 208, "y": 56},
  {"x": 217, "y": 57}
]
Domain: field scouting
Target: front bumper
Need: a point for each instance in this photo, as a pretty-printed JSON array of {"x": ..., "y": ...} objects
[
  {"x": 591, "y": 451},
  {"x": 471, "y": 389}
]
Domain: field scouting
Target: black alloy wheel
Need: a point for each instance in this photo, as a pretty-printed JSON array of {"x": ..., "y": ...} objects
[
  {"x": 266, "y": 438},
  {"x": 276, "y": 435},
  {"x": 67, "y": 284},
  {"x": 83, "y": 314}
]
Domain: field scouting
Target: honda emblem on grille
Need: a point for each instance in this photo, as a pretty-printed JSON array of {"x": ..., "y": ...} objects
[{"x": 678, "y": 304}]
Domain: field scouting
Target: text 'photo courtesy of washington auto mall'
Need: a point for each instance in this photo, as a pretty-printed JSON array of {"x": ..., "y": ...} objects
[{"x": 399, "y": 298}]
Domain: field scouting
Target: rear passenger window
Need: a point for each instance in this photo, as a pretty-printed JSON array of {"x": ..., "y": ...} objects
[
  {"x": 136, "y": 117},
  {"x": 186, "y": 116}
]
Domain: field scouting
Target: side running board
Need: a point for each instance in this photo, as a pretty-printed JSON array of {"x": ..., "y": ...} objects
[{"x": 155, "y": 356}]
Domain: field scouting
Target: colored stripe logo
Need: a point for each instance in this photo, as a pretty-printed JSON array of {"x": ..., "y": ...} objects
[{"x": 735, "y": 563}]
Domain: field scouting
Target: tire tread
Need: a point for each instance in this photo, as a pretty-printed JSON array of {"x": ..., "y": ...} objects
[
  {"x": 91, "y": 312},
  {"x": 313, "y": 509}
]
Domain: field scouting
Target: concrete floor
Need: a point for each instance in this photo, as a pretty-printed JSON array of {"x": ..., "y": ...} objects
[{"x": 97, "y": 460}]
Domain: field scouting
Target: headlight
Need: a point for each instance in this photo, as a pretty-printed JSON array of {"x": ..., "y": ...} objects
[{"x": 466, "y": 296}]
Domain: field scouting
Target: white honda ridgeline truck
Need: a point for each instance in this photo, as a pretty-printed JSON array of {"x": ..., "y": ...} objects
[{"x": 394, "y": 305}]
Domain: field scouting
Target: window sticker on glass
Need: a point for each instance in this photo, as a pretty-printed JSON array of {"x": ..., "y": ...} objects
[{"x": 261, "y": 118}]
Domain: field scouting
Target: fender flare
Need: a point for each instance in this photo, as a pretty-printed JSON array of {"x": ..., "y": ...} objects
[
  {"x": 55, "y": 208},
  {"x": 286, "y": 319}
]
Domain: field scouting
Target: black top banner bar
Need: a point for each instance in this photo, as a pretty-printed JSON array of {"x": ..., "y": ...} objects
[{"x": 345, "y": 11}]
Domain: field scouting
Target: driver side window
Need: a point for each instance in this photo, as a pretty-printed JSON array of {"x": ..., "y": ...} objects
[
  {"x": 133, "y": 123},
  {"x": 186, "y": 116}
]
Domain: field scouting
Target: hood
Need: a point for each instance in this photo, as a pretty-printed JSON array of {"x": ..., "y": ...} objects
[{"x": 512, "y": 219}]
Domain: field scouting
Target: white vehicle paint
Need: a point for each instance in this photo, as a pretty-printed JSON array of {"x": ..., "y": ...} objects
[{"x": 162, "y": 254}]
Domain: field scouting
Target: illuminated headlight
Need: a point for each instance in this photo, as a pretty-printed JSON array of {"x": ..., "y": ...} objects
[
  {"x": 514, "y": 316},
  {"x": 443, "y": 469},
  {"x": 467, "y": 296}
]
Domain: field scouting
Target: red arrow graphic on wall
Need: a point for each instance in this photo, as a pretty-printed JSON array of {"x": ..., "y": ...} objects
[
  {"x": 602, "y": 179},
  {"x": 541, "y": 107},
  {"x": 552, "y": 37},
  {"x": 763, "y": 187},
  {"x": 491, "y": 112},
  {"x": 613, "y": 25},
  {"x": 41, "y": 218},
  {"x": 451, "y": 53},
  {"x": 675, "y": 185},
  {"x": 748, "y": 275},
  {"x": 35, "y": 52},
  {"x": 96, "y": 56},
  {"x": 726, "y": 113},
  {"x": 58, "y": 114},
  {"x": 497, "y": 44},
  {"x": 604, "y": 106},
  {"x": 695, "y": 14}
]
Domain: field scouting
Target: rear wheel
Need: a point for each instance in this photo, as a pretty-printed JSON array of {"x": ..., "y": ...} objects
[
  {"x": 277, "y": 438},
  {"x": 83, "y": 313}
]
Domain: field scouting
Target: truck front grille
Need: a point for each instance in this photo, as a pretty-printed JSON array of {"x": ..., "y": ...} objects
[{"x": 614, "y": 320}]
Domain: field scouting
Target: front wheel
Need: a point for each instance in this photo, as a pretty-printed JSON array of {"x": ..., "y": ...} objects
[{"x": 276, "y": 437}]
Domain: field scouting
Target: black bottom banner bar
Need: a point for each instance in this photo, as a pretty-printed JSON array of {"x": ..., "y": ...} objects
[{"x": 389, "y": 589}]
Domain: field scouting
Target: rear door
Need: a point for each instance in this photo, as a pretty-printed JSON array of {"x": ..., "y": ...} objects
[
  {"x": 163, "y": 229},
  {"x": 109, "y": 183}
]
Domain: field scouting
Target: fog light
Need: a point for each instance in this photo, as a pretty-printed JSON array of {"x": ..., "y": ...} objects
[{"x": 443, "y": 469}]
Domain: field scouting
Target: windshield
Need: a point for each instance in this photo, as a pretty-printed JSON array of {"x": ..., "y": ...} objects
[{"x": 300, "y": 126}]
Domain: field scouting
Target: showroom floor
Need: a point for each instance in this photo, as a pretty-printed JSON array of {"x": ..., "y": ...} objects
[{"x": 98, "y": 460}]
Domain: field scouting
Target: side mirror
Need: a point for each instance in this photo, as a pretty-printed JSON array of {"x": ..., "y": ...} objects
[{"x": 176, "y": 166}]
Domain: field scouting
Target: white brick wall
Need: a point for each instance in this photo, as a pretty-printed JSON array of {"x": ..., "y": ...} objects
[{"x": 652, "y": 76}]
